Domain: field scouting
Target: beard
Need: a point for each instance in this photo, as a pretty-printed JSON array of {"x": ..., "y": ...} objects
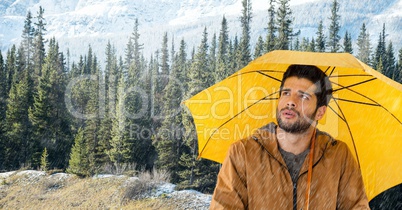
[{"x": 300, "y": 126}]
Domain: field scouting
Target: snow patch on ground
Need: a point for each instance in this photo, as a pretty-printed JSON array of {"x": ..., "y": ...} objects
[
  {"x": 165, "y": 188},
  {"x": 191, "y": 199},
  {"x": 6, "y": 175},
  {"x": 102, "y": 176},
  {"x": 60, "y": 176},
  {"x": 193, "y": 194}
]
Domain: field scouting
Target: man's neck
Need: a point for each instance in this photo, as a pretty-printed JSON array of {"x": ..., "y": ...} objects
[{"x": 294, "y": 143}]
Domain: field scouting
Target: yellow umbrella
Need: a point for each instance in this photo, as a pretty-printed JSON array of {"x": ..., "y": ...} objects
[{"x": 365, "y": 111}]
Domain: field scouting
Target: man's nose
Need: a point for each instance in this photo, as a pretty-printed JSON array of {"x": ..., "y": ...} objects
[{"x": 291, "y": 102}]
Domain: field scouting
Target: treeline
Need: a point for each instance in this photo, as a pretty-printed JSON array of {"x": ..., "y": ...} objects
[{"x": 126, "y": 114}]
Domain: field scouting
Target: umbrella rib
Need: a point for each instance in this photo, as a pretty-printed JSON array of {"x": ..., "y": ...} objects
[
  {"x": 270, "y": 70},
  {"x": 265, "y": 98},
  {"x": 351, "y": 75},
  {"x": 375, "y": 102},
  {"x": 350, "y": 132},
  {"x": 269, "y": 76},
  {"x": 333, "y": 69},
  {"x": 337, "y": 113},
  {"x": 346, "y": 75},
  {"x": 260, "y": 72},
  {"x": 357, "y": 102},
  {"x": 356, "y": 84}
]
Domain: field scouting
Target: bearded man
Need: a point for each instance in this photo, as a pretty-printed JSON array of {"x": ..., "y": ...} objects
[{"x": 291, "y": 164}]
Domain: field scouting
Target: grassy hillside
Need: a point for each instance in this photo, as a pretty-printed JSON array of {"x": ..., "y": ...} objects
[{"x": 38, "y": 190}]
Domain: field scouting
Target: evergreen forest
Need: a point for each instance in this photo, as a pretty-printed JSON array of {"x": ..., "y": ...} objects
[{"x": 125, "y": 114}]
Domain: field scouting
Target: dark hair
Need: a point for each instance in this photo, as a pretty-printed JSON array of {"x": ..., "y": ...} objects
[{"x": 316, "y": 76}]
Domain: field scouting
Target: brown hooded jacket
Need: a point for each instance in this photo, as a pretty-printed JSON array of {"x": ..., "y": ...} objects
[{"x": 255, "y": 176}]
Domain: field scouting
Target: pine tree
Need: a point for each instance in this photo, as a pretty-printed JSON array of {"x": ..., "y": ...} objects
[
  {"x": 165, "y": 56},
  {"x": 390, "y": 66},
  {"x": 137, "y": 138},
  {"x": 271, "y": 38},
  {"x": 27, "y": 42},
  {"x": 108, "y": 81},
  {"x": 11, "y": 67},
  {"x": 156, "y": 89},
  {"x": 78, "y": 163},
  {"x": 398, "y": 77},
  {"x": 108, "y": 86},
  {"x": 130, "y": 105},
  {"x": 3, "y": 92},
  {"x": 89, "y": 62},
  {"x": 380, "y": 66},
  {"x": 194, "y": 171},
  {"x": 93, "y": 123},
  {"x": 75, "y": 69},
  {"x": 150, "y": 127},
  {"x": 192, "y": 54},
  {"x": 137, "y": 146},
  {"x": 380, "y": 53},
  {"x": 48, "y": 115},
  {"x": 129, "y": 55},
  {"x": 79, "y": 93},
  {"x": 87, "y": 96},
  {"x": 110, "y": 53},
  {"x": 223, "y": 52},
  {"x": 161, "y": 76},
  {"x": 21, "y": 65},
  {"x": 149, "y": 86},
  {"x": 68, "y": 60},
  {"x": 169, "y": 142},
  {"x": 212, "y": 55},
  {"x": 320, "y": 38},
  {"x": 233, "y": 56},
  {"x": 18, "y": 127},
  {"x": 116, "y": 152},
  {"x": 39, "y": 44},
  {"x": 19, "y": 148},
  {"x": 135, "y": 70},
  {"x": 284, "y": 20},
  {"x": 200, "y": 72},
  {"x": 44, "y": 164},
  {"x": 363, "y": 44},
  {"x": 244, "y": 47},
  {"x": 172, "y": 53},
  {"x": 182, "y": 64},
  {"x": 347, "y": 43},
  {"x": 296, "y": 46},
  {"x": 312, "y": 46},
  {"x": 333, "y": 38},
  {"x": 259, "y": 47},
  {"x": 199, "y": 80},
  {"x": 304, "y": 44}
]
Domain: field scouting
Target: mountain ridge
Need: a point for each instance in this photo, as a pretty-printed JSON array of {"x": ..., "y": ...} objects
[{"x": 76, "y": 24}]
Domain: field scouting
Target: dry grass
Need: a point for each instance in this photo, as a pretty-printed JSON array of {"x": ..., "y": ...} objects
[{"x": 22, "y": 191}]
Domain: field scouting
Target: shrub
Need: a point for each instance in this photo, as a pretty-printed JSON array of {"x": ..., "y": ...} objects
[{"x": 143, "y": 186}]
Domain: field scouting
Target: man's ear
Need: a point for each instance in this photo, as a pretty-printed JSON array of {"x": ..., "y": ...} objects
[{"x": 320, "y": 112}]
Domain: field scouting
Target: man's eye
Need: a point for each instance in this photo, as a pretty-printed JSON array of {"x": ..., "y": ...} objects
[{"x": 305, "y": 97}]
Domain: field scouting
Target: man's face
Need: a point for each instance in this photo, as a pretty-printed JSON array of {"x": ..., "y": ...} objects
[{"x": 297, "y": 107}]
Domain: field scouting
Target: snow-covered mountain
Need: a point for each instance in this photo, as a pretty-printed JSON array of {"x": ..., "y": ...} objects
[{"x": 76, "y": 24}]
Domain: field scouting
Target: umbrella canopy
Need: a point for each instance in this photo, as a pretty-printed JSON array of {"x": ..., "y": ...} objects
[{"x": 365, "y": 111}]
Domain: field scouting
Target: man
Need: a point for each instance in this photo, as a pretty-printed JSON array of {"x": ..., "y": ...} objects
[{"x": 272, "y": 169}]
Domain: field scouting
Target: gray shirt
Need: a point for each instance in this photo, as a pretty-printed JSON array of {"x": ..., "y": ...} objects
[{"x": 294, "y": 162}]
